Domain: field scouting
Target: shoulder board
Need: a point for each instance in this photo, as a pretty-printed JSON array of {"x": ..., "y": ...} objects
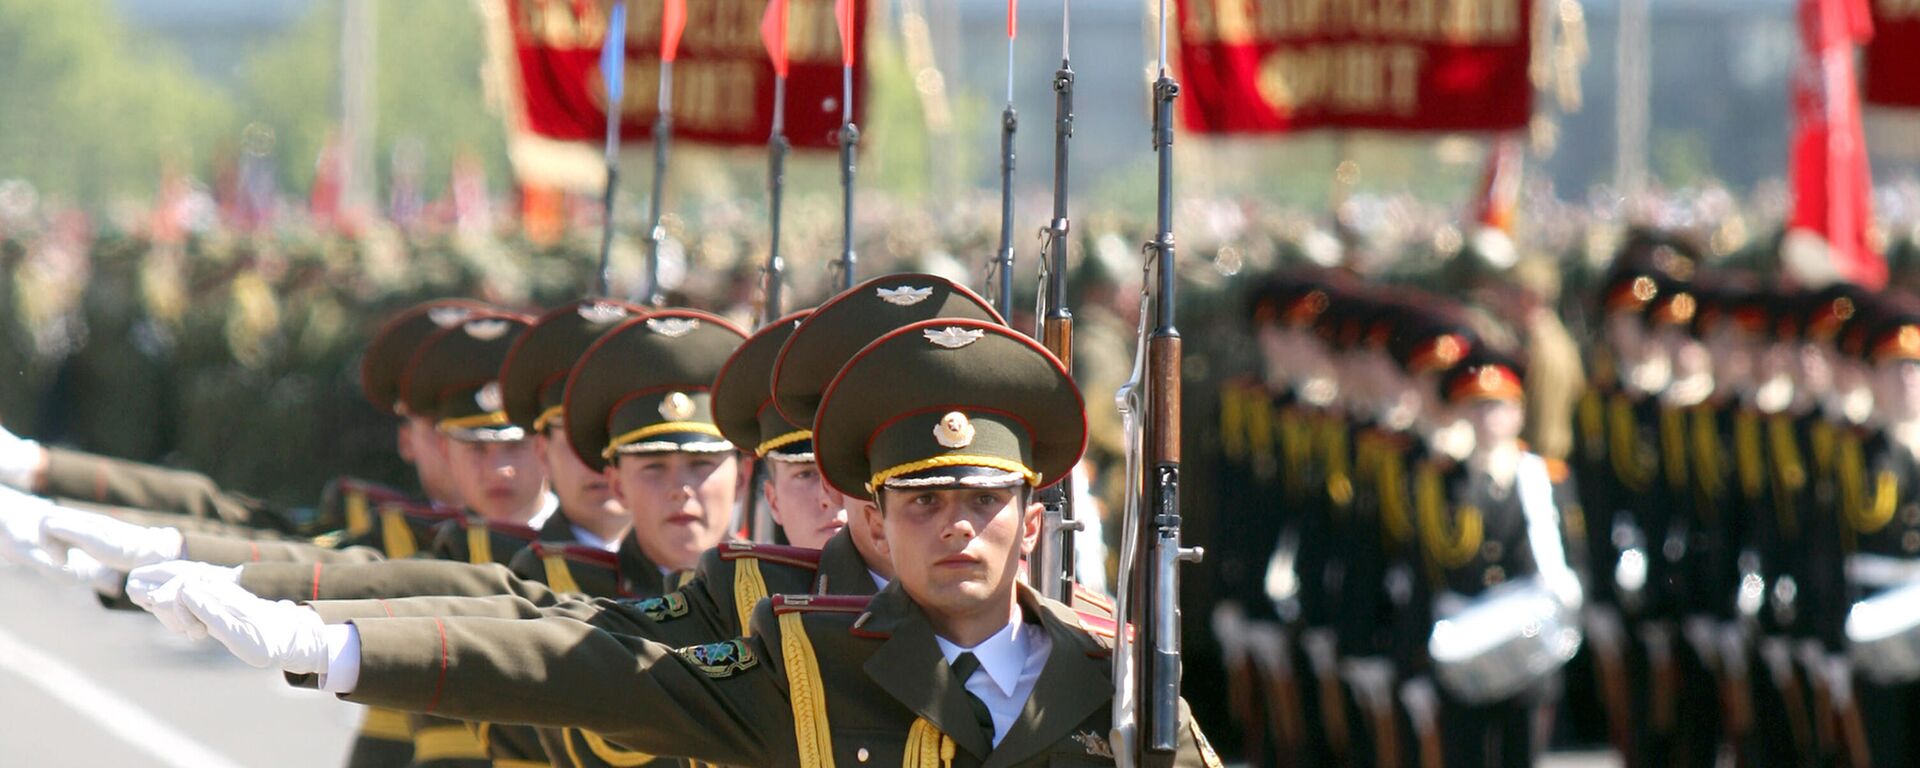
[
  {"x": 516, "y": 531},
  {"x": 579, "y": 553},
  {"x": 798, "y": 557},
  {"x": 1557, "y": 470},
  {"x": 374, "y": 492},
  {"x": 1088, "y": 597},
  {"x": 1096, "y": 624},
  {"x": 785, "y": 604}
]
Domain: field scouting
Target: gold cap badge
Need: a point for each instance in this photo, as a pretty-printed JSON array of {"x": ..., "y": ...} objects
[
  {"x": 488, "y": 398},
  {"x": 677, "y": 407},
  {"x": 954, "y": 430},
  {"x": 952, "y": 337}
]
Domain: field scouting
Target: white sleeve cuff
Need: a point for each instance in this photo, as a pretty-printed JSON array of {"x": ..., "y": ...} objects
[{"x": 343, "y": 658}]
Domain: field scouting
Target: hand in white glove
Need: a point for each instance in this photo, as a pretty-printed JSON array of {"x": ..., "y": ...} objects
[
  {"x": 20, "y": 517},
  {"x": 83, "y": 568},
  {"x": 157, "y": 589},
  {"x": 123, "y": 546},
  {"x": 20, "y": 460},
  {"x": 262, "y": 633},
  {"x": 143, "y": 581}
]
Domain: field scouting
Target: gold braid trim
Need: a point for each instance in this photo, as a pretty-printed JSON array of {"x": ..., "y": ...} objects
[
  {"x": 1706, "y": 452},
  {"x": 1673, "y": 447},
  {"x": 479, "y": 544},
  {"x": 359, "y": 520},
  {"x": 1339, "y": 480},
  {"x": 954, "y": 460},
  {"x": 1746, "y": 443},
  {"x": 559, "y": 574},
  {"x": 1623, "y": 445},
  {"x": 1852, "y": 471},
  {"x": 1296, "y": 450},
  {"x": 1390, "y": 472},
  {"x": 813, "y": 739},
  {"x": 653, "y": 430},
  {"x": 927, "y": 747},
  {"x": 476, "y": 421},
  {"x": 1593, "y": 436},
  {"x": 1451, "y": 545},
  {"x": 612, "y": 755},
  {"x": 749, "y": 588},
  {"x": 385, "y": 724},
  {"x": 548, "y": 416},
  {"x": 1232, "y": 439},
  {"x": 395, "y": 537},
  {"x": 446, "y": 742},
  {"x": 1788, "y": 470},
  {"x": 1260, "y": 430},
  {"x": 782, "y": 441}
]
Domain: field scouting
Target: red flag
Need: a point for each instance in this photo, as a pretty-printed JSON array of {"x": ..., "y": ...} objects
[
  {"x": 1832, "y": 207},
  {"x": 673, "y": 22},
  {"x": 773, "y": 34},
  {"x": 1013, "y": 16},
  {"x": 843, "y": 11},
  {"x": 1499, "y": 194}
]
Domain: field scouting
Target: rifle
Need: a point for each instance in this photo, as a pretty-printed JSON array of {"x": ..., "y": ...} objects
[
  {"x": 1000, "y": 271},
  {"x": 613, "y": 70},
  {"x": 673, "y": 21},
  {"x": 1146, "y": 712},
  {"x": 773, "y": 28},
  {"x": 843, "y": 11},
  {"x": 1053, "y": 557}
]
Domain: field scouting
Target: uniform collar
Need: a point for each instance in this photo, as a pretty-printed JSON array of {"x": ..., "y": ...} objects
[
  {"x": 1003, "y": 656},
  {"x": 843, "y": 571}
]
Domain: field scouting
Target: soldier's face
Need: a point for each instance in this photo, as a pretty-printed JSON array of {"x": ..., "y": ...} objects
[
  {"x": 680, "y": 502},
  {"x": 499, "y": 481},
  {"x": 1732, "y": 356},
  {"x": 425, "y": 448},
  {"x": 956, "y": 551},
  {"x": 585, "y": 496},
  {"x": 1495, "y": 422},
  {"x": 806, "y": 508}
]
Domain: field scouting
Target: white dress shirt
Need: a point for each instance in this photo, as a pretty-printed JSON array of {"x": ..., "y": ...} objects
[
  {"x": 1010, "y": 664},
  {"x": 587, "y": 538}
]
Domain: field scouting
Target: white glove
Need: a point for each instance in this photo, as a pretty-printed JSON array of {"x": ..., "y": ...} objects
[
  {"x": 20, "y": 531},
  {"x": 20, "y": 458},
  {"x": 123, "y": 546},
  {"x": 143, "y": 581},
  {"x": 165, "y": 604},
  {"x": 83, "y": 568},
  {"x": 262, "y": 633}
]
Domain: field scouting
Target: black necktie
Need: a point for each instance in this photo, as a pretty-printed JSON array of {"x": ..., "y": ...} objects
[{"x": 963, "y": 669}]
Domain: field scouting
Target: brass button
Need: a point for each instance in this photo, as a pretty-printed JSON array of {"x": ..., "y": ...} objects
[
  {"x": 1910, "y": 541},
  {"x": 1492, "y": 550},
  {"x": 1494, "y": 575},
  {"x": 862, "y": 755},
  {"x": 1911, "y": 514}
]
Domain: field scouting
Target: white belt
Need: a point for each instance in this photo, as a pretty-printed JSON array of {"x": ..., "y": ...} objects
[{"x": 1881, "y": 570}]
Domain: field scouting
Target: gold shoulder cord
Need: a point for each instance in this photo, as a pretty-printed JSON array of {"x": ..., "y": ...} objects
[
  {"x": 1623, "y": 446},
  {"x": 358, "y": 519},
  {"x": 479, "y": 544},
  {"x": 927, "y": 747},
  {"x": 1706, "y": 453},
  {"x": 1673, "y": 447},
  {"x": 813, "y": 739},
  {"x": 1787, "y": 468},
  {"x": 1232, "y": 422},
  {"x": 1339, "y": 481},
  {"x": 395, "y": 537},
  {"x": 1296, "y": 449},
  {"x": 749, "y": 588},
  {"x": 559, "y": 574},
  {"x": 1747, "y": 459},
  {"x": 1388, "y": 472},
  {"x": 1593, "y": 440},
  {"x": 1852, "y": 470},
  {"x": 1451, "y": 544},
  {"x": 601, "y": 748}
]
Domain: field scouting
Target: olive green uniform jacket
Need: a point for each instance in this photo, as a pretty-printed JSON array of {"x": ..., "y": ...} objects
[{"x": 819, "y": 681}]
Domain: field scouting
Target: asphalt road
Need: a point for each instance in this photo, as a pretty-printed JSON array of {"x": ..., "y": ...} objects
[
  {"x": 85, "y": 687},
  {"x": 82, "y": 687}
]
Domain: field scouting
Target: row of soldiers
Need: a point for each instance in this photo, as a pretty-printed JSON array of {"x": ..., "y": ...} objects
[
  {"x": 572, "y": 585},
  {"x": 1739, "y": 514}
]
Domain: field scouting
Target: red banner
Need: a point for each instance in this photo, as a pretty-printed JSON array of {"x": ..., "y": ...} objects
[
  {"x": 1893, "y": 58},
  {"x": 1274, "y": 66},
  {"x": 722, "y": 79}
]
